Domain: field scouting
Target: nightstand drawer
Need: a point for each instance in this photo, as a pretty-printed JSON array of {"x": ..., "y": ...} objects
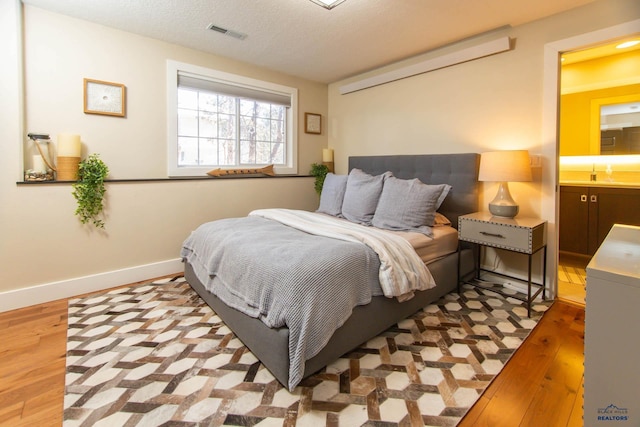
[{"x": 502, "y": 233}]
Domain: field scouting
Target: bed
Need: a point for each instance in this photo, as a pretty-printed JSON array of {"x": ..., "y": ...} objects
[{"x": 271, "y": 344}]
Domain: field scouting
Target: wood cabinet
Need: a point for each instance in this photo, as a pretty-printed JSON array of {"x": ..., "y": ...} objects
[{"x": 588, "y": 213}]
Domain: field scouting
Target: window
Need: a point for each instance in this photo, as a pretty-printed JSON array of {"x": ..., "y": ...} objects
[{"x": 220, "y": 120}]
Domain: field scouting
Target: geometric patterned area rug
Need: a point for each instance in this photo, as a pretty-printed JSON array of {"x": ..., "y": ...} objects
[{"x": 156, "y": 355}]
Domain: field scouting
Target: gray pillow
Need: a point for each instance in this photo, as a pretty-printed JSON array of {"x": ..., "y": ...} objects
[
  {"x": 332, "y": 194},
  {"x": 408, "y": 204},
  {"x": 445, "y": 191},
  {"x": 361, "y": 196}
]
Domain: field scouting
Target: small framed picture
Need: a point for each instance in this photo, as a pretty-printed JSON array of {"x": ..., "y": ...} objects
[
  {"x": 104, "y": 98},
  {"x": 312, "y": 123}
]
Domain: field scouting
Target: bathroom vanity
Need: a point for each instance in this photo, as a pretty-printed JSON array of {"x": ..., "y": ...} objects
[{"x": 589, "y": 210}]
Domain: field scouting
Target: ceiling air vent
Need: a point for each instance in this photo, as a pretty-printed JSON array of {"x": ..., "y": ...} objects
[{"x": 227, "y": 32}]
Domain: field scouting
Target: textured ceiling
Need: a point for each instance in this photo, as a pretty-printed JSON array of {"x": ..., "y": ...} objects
[{"x": 300, "y": 38}]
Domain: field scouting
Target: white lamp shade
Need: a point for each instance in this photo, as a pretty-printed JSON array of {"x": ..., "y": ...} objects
[
  {"x": 502, "y": 167},
  {"x": 505, "y": 166}
]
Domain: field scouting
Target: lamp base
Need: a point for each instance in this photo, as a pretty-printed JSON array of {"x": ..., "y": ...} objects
[
  {"x": 504, "y": 210},
  {"x": 503, "y": 205}
]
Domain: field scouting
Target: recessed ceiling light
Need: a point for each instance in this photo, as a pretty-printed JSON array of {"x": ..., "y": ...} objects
[
  {"x": 328, "y": 4},
  {"x": 627, "y": 44}
]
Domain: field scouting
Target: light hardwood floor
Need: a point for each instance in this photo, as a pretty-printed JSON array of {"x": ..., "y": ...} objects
[
  {"x": 572, "y": 277},
  {"x": 540, "y": 386}
]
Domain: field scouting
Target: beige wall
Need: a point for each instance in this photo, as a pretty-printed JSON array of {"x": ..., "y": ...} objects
[
  {"x": 492, "y": 103},
  {"x": 42, "y": 242},
  {"x": 61, "y": 51}
]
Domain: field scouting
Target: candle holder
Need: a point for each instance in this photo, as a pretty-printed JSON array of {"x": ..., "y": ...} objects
[
  {"x": 41, "y": 167},
  {"x": 68, "y": 168},
  {"x": 69, "y": 152},
  {"x": 327, "y": 158}
]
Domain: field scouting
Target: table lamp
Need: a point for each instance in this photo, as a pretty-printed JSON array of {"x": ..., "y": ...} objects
[{"x": 502, "y": 167}]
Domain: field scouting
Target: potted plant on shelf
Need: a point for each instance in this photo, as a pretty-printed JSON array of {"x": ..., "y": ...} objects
[
  {"x": 319, "y": 172},
  {"x": 89, "y": 190}
]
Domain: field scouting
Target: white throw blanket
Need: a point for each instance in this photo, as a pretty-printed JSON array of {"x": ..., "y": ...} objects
[{"x": 401, "y": 270}]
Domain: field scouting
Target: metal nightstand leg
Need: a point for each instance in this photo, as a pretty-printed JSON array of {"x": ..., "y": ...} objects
[
  {"x": 529, "y": 288},
  {"x": 531, "y": 296}
]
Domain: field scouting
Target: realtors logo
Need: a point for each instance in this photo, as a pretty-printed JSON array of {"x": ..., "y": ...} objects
[{"x": 613, "y": 413}]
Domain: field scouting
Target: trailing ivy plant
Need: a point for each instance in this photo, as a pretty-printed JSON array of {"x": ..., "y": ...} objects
[
  {"x": 320, "y": 172},
  {"x": 89, "y": 190}
]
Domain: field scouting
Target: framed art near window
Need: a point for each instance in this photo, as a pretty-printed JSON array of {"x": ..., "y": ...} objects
[
  {"x": 104, "y": 98},
  {"x": 312, "y": 123}
]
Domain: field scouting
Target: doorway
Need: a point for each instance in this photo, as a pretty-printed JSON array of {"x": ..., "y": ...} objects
[
  {"x": 550, "y": 148},
  {"x": 579, "y": 139}
]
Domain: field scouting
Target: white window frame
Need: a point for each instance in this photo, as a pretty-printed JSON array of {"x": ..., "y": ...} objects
[{"x": 174, "y": 67}]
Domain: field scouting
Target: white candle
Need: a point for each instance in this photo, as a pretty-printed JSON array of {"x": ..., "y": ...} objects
[
  {"x": 69, "y": 145},
  {"x": 42, "y": 150},
  {"x": 38, "y": 164},
  {"x": 327, "y": 155}
]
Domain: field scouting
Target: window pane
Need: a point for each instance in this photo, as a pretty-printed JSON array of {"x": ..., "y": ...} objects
[
  {"x": 208, "y": 101},
  {"x": 247, "y": 128},
  {"x": 247, "y": 107},
  {"x": 226, "y": 104},
  {"x": 187, "y": 99},
  {"x": 227, "y": 152},
  {"x": 187, "y": 122},
  {"x": 263, "y": 129},
  {"x": 264, "y": 109},
  {"x": 227, "y": 126},
  {"x": 277, "y": 131},
  {"x": 247, "y": 152},
  {"x": 208, "y": 125},
  {"x": 263, "y": 153},
  {"x": 277, "y": 112},
  {"x": 208, "y": 152},
  {"x": 277, "y": 153},
  {"x": 187, "y": 151}
]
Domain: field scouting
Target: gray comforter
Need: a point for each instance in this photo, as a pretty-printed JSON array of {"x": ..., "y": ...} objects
[{"x": 285, "y": 277}]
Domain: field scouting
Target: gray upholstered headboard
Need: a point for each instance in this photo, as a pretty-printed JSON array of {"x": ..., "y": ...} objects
[{"x": 458, "y": 170}]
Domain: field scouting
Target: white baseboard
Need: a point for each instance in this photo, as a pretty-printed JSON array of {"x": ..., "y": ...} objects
[{"x": 19, "y": 298}]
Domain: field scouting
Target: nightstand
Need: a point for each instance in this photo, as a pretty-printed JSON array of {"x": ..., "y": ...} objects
[{"x": 523, "y": 235}]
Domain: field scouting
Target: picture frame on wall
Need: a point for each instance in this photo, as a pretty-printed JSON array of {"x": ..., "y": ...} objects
[
  {"x": 104, "y": 98},
  {"x": 312, "y": 123}
]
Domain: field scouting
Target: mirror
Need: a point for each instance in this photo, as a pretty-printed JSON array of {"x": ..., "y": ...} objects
[
  {"x": 615, "y": 125},
  {"x": 620, "y": 128},
  {"x": 585, "y": 115}
]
